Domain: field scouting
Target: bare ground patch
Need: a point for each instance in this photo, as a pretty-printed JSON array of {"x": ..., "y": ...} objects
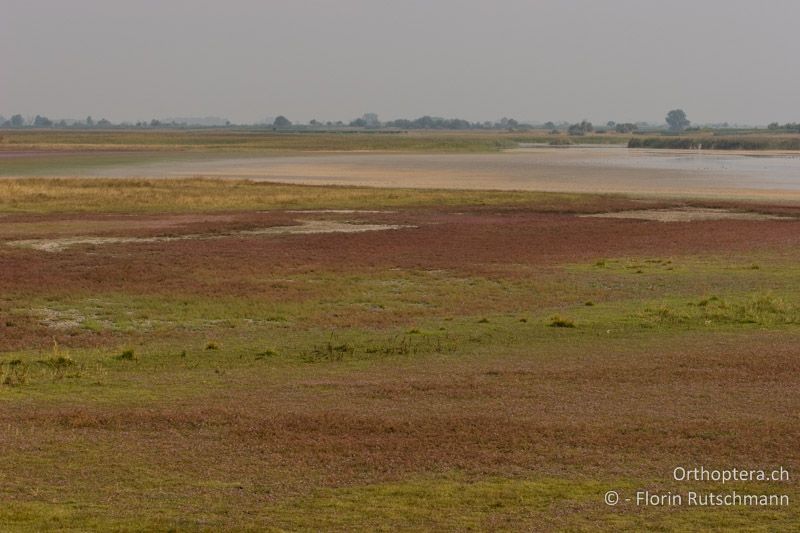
[{"x": 304, "y": 228}]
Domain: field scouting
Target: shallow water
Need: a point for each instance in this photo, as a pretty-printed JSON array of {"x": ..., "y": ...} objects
[
  {"x": 573, "y": 169},
  {"x": 752, "y": 169}
]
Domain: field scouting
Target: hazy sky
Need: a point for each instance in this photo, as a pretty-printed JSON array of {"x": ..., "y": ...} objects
[{"x": 720, "y": 60}]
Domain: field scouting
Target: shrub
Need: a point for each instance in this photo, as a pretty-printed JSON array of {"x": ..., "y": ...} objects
[
  {"x": 126, "y": 355},
  {"x": 558, "y": 321},
  {"x": 14, "y": 373},
  {"x": 59, "y": 365},
  {"x": 266, "y": 353}
]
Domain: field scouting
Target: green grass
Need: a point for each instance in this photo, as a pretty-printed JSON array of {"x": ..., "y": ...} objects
[
  {"x": 402, "y": 315},
  {"x": 437, "y": 505},
  {"x": 508, "y": 504}
]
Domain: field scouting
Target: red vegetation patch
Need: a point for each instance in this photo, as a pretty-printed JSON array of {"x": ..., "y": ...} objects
[{"x": 472, "y": 242}]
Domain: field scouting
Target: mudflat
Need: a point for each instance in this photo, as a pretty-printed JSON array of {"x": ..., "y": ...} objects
[{"x": 595, "y": 169}]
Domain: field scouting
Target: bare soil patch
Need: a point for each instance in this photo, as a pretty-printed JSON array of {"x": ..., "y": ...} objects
[{"x": 304, "y": 228}]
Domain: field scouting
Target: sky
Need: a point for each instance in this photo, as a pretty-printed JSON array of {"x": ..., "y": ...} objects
[{"x": 622, "y": 60}]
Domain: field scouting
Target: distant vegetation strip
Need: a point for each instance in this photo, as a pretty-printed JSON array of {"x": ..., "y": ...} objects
[
  {"x": 233, "y": 141},
  {"x": 761, "y": 142},
  {"x": 259, "y": 142}
]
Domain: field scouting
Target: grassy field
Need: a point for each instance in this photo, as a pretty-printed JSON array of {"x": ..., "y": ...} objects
[{"x": 484, "y": 361}]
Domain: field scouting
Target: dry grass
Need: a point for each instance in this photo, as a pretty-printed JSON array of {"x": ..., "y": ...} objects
[{"x": 38, "y": 195}]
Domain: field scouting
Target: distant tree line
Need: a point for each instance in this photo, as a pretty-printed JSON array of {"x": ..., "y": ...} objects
[
  {"x": 622, "y": 127},
  {"x": 281, "y": 122},
  {"x": 789, "y": 126},
  {"x": 676, "y": 122},
  {"x": 427, "y": 122},
  {"x": 581, "y": 128},
  {"x": 40, "y": 121}
]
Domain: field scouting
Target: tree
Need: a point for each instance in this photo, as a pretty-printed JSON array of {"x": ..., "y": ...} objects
[
  {"x": 371, "y": 120},
  {"x": 89, "y": 121},
  {"x": 582, "y": 128},
  {"x": 282, "y": 122},
  {"x": 17, "y": 121},
  {"x": 42, "y": 122},
  {"x": 626, "y": 127},
  {"x": 677, "y": 121}
]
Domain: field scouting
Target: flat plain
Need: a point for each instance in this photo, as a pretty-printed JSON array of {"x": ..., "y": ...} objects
[{"x": 212, "y": 353}]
